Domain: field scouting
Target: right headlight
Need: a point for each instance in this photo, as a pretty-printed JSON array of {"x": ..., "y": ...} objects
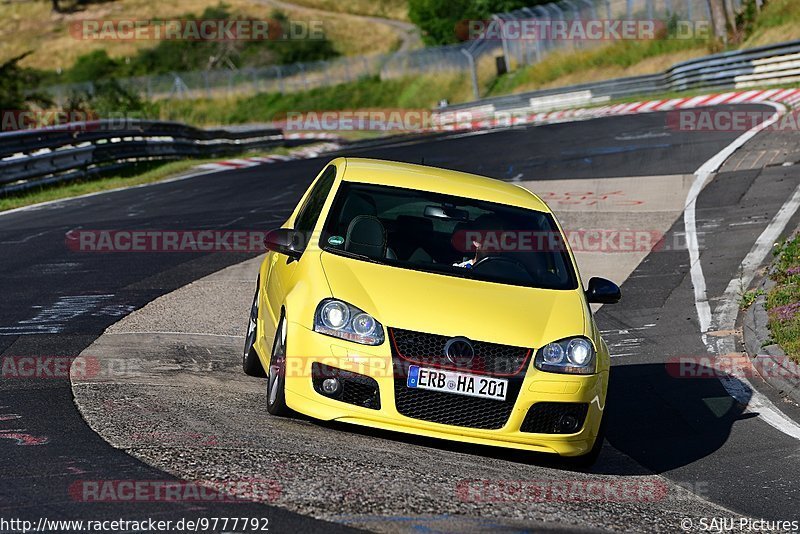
[
  {"x": 339, "y": 319},
  {"x": 574, "y": 355}
]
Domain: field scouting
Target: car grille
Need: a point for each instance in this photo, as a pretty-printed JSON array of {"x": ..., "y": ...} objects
[
  {"x": 428, "y": 349},
  {"x": 447, "y": 408},
  {"x": 550, "y": 418},
  {"x": 451, "y": 409},
  {"x": 356, "y": 389}
]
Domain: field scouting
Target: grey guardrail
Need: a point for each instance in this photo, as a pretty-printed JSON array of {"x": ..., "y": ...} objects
[
  {"x": 766, "y": 65},
  {"x": 31, "y": 158}
]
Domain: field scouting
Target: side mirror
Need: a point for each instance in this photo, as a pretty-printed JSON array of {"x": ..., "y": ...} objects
[
  {"x": 285, "y": 241},
  {"x": 602, "y": 291}
]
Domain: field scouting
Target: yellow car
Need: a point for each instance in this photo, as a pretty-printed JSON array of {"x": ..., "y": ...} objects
[{"x": 433, "y": 302}]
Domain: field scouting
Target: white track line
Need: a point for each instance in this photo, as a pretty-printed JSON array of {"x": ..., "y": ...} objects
[
  {"x": 38, "y": 205},
  {"x": 689, "y": 220},
  {"x": 724, "y": 317},
  {"x": 168, "y": 333}
]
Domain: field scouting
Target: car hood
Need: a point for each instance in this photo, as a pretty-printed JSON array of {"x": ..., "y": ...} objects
[{"x": 452, "y": 306}]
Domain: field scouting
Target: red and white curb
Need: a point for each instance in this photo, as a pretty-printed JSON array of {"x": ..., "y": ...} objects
[
  {"x": 790, "y": 97},
  {"x": 494, "y": 119},
  {"x": 781, "y": 96},
  {"x": 306, "y": 152},
  {"x": 312, "y": 135}
]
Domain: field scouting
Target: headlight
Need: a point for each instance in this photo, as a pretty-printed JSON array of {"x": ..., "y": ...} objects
[
  {"x": 574, "y": 355},
  {"x": 334, "y": 314},
  {"x": 340, "y": 319}
]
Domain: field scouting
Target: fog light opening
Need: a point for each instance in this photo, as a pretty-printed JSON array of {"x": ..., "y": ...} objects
[
  {"x": 331, "y": 386},
  {"x": 568, "y": 424}
]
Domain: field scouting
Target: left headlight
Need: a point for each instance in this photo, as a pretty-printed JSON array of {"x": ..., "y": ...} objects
[
  {"x": 339, "y": 319},
  {"x": 574, "y": 355}
]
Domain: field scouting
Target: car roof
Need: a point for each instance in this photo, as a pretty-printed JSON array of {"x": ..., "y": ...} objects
[{"x": 434, "y": 179}]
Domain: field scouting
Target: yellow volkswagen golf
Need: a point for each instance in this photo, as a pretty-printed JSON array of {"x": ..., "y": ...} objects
[{"x": 433, "y": 302}]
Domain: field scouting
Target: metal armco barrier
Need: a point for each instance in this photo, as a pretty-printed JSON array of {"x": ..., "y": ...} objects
[
  {"x": 767, "y": 65},
  {"x": 31, "y": 158}
]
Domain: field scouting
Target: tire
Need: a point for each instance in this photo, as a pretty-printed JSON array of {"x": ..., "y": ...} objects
[
  {"x": 251, "y": 365},
  {"x": 585, "y": 461},
  {"x": 276, "y": 383}
]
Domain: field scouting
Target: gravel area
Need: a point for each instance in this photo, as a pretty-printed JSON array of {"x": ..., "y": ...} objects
[{"x": 177, "y": 400}]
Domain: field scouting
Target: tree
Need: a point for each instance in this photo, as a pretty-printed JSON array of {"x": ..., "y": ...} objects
[
  {"x": 14, "y": 82},
  {"x": 438, "y": 19},
  {"x": 723, "y": 18}
]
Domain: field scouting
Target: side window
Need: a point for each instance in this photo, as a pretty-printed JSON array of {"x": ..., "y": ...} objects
[{"x": 309, "y": 212}]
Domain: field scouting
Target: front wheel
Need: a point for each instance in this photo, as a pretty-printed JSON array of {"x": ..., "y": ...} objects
[{"x": 276, "y": 397}]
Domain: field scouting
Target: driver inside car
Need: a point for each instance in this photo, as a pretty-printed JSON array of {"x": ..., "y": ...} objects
[{"x": 483, "y": 226}]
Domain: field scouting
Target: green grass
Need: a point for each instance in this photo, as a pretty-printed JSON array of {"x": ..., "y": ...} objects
[
  {"x": 415, "y": 93},
  {"x": 783, "y": 300},
  {"x": 747, "y": 298},
  {"x": 144, "y": 173},
  {"x": 620, "y": 55},
  {"x": 422, "y": 92},
  {"x": 778, "y": 21}
]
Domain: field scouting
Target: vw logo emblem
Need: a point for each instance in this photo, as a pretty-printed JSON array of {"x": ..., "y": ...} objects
[{"x": 459, "y": 350}]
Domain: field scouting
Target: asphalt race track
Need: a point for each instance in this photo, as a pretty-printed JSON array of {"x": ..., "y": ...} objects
[{"x": 56, "y": 302}]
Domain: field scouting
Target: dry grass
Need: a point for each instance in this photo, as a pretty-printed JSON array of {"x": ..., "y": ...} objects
[
  {"x": 32, "y": 26},
  {"x": 419, "y": 92},
  {"x": 389, "y": 9},
  {"x": 651, "y": 65},
  {"x": 619, "y": 59},
  {"x": 350, "y": 36},
  {"x": 778, "y": 21},
  {"x": 786, "y": 32}
]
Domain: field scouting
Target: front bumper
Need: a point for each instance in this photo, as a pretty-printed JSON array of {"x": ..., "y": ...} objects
[{"x": 305, "y": 347}]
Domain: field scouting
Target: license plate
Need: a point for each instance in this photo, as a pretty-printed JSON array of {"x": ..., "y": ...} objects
[{"x": 484, "y": 387}]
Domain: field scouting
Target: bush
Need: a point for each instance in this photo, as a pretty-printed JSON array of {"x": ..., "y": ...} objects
[
  {"x": 178, "y": 55},
  {"x": 108, "y": 100},
  {"x": 438, "y": 19},
  {"x": 14, "y": 82},
  {"x": 93, "y": 66}
]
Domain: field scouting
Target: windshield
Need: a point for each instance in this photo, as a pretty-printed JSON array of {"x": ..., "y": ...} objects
[{"x": 448, "y": 235}]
